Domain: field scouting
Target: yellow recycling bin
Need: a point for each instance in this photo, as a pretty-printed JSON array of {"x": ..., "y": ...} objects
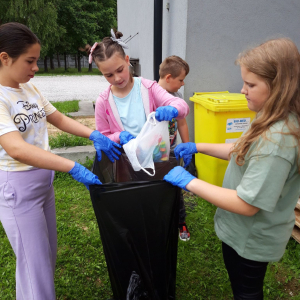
[{"x": 219, "y": 117}]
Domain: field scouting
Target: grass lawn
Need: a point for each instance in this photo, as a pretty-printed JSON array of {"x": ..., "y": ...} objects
[
  {"x": 66, "y": 107},
  {"x": 65, "y": 139},
  {"x": 81, "y": 271},
  {"x": 68, "y": 72}
]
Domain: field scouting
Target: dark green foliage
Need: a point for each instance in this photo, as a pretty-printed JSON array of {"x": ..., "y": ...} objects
[{"x": 62, "y": 26}]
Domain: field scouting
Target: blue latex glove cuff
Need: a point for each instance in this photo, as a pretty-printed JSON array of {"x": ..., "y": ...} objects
[
  {"x": 185, "y": 150},
  {"x": 179, "y": 177},
  {"x": 166, "y": 113},
  {"x": 125, "y": 137},
  {"x": 83, "y": 175},
  {"x": 103, "y": 143}
]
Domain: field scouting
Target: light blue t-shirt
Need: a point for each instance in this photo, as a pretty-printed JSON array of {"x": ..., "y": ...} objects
[{"x": 131, "y": 109}]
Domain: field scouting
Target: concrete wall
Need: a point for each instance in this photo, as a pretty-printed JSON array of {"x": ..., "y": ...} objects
[
  {"x": 137, "y": 16},
  {"x": 208, "y": 34},
  {"x": 218, "y": 30}
]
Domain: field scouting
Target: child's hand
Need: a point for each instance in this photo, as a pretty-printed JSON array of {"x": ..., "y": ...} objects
[
  {"x": 101, "y": 142},
  {"x": 166, "y": 113},
  {"x": 125, "y": 137},
  {"x": 179, "y": 177},
  {"x": 185, "y": 150},
  {"x": 83, "y": 175}
]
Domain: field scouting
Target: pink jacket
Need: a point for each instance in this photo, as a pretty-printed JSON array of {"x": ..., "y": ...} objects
[{"x": 107, "y": 118}]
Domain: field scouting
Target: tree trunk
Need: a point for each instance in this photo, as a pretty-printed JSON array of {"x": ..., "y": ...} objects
[
  {"x": 58, "y": 61},
  {"x": 75, "y": 61},
  {"x": 79, "y": 62},
  {"x": 51, "y": 63},
  {"x": 91, "y": 67},
  {"x": 65, "y": 59},
  {"x": 45, "y": 64}
]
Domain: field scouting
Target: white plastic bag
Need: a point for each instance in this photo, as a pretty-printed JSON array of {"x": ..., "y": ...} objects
[{"x": 151, "y": 145}]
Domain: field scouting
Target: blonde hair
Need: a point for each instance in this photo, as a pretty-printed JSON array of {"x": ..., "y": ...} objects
[
  {"x": 277, "y": 63},
  {"x": 173, "y": 65}
]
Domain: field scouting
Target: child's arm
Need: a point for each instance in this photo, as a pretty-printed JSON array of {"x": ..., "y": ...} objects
[
  {"x": 69, "y": 125},
  {"x": 183, "y": 130},
  {"x": 163, "y": 98},
  {"x": 186, "y": 150},
  {"x": 18, "y": 149},
  {"x": 216, "y": 150},
  {"x": 101, "y": 142},
  {"x": 221, "y": 197}
]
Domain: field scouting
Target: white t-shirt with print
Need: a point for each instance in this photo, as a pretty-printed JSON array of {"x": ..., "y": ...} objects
[{"x": 24, "y": 110}]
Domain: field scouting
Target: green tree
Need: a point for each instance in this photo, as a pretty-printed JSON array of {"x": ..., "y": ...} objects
[
  {"x": 85, "y": 22},
  {"x": 39, "y": 15}
]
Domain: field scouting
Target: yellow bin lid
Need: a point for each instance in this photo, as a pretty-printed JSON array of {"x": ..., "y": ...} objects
[{"x": 221, "y": 101}]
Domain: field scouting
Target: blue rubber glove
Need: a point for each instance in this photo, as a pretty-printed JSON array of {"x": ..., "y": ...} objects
[
  {"x": 125, "y": 137},
  {"x": 185, "y": 150},
  {"x": 166, "y": 113},
  {"x": 179, "y": 176},
  {"x": 83, "y": 175},
  {"x": 101, "y": 142}
]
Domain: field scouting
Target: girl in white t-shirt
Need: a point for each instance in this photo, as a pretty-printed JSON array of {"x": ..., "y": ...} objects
[{"x": 27, "y": 207}]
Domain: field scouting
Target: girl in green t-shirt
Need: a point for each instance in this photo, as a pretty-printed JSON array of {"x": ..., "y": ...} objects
[{"x": 255, "y": 214}]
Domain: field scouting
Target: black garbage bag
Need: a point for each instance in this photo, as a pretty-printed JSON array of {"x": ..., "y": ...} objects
[
  {"x": 138, "y": 223},
  {"x": 122, "y": 171}
]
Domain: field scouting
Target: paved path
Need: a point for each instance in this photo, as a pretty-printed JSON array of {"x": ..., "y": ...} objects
[{"x": 64, "y": 88}]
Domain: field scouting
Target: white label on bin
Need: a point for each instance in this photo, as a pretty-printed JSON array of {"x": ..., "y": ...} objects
[
  {"x": 237, "y": 125},
  {"x": 229, "y": 141}
]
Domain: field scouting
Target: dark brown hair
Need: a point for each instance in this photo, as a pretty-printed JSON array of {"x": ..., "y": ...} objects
[
  {"x": 15, "y": 39},
  {"x": 106, "y": 49},
  {"x": 173, "y": 65}
]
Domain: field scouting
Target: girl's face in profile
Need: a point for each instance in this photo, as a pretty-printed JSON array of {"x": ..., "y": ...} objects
[
  {"x": 116, "y": 70},
  {"x": 255, "y": 90},
  {"x": 23, "y": 68}
]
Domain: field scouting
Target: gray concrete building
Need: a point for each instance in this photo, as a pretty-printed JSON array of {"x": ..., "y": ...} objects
[{"x": 208, "y": 34}]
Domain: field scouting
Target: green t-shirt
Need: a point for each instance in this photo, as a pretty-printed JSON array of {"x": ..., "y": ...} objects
[{"x": 269, "y": 180}]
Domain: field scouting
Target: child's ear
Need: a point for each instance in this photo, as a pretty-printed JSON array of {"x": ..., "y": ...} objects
[
  {"x": 4, "y": 57},
  {"x": 127, "y": 60},
  {"x": 168, "y": 76}
]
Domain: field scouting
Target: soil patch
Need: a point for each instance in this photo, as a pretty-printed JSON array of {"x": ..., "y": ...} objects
[{"x": 87, "y": 121}]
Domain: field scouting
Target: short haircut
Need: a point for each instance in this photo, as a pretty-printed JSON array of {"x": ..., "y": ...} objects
[{"x": 173, "y": 65}]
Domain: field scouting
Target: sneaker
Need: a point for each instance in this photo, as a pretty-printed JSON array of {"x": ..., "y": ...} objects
[{"x": 184, "y": 233}]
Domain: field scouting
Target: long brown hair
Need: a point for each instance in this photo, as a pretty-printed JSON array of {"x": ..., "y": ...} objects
[{"x": 277, "y": 63}]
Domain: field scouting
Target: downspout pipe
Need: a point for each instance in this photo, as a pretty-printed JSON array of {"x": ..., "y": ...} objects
[{"x": 157, "y": 37}]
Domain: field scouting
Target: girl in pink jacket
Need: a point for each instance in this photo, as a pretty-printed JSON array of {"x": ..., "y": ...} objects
[{"x": 122, "y": 109}]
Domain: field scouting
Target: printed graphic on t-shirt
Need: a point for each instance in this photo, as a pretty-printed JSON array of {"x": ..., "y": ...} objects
[{"x": 22, "y": 120}]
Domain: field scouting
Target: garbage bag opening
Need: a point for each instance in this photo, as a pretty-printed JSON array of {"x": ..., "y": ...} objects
[{"x": 122, "y": 171}]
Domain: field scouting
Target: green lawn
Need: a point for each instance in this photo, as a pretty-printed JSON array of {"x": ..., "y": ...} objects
[
  {"x": 81, "y": 271},
  {"x": 65, "y": 140},
  {"x": 66, "y": 107}
]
